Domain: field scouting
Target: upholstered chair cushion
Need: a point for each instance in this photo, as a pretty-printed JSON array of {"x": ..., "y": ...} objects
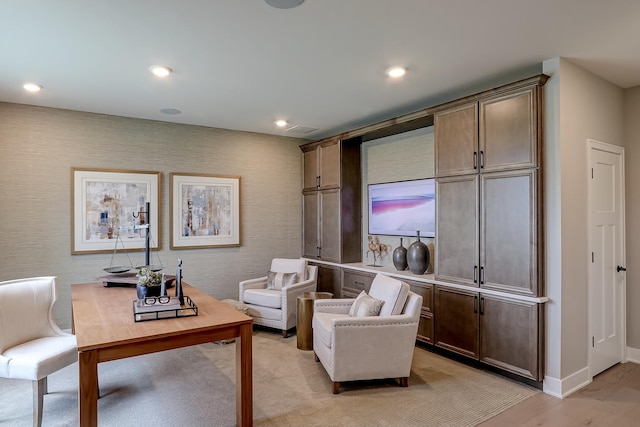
[
  {"x": 365, "y": 305},
  {"x": 264, "y": 297},
  {"x": 392, "y": 291},
  {"x": 285, "y": 265},
  {"x": 277, "y": 280}
]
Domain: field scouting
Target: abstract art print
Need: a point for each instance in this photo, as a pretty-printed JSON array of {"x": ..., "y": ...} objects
[
  {"x": 109, "y": 206},
  {"x": 205, "y": 211}
]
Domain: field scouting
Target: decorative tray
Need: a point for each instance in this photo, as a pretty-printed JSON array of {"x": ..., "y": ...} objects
[{"x": 170, "y": 310}]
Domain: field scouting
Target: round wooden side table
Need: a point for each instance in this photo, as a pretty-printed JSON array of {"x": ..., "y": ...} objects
[{"x": 304, "y": 331}]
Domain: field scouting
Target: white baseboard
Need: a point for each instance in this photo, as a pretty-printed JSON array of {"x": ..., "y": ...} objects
[
  {"x": 633, "y": 355},
  {"x": 564, "y": 387}
]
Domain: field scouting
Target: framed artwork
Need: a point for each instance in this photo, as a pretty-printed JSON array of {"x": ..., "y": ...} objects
[
  {"x": 205, "y": 211},
  {"x": 109, "y": 210}
]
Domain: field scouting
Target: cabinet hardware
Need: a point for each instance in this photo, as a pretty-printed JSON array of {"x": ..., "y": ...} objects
[
  {"x": 475, "y": 274},
  {"x": 318, "y": 249},
  {"x": 620, "y": 268},
  {"x": 359, "y": 283},
  {"x": 481, "y": 159},
  {"x": 593, "y": 341},
  {"x": 318, "y": 181},
  {"x": 475, "y": 160},
  {"x": 482, "y": 275},
  {"x": 481, "y": 305},
  {"x": 475, "y": 304}
]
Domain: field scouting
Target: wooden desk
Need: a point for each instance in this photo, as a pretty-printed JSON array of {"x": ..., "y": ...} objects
[{"x": 105, "y": 330}]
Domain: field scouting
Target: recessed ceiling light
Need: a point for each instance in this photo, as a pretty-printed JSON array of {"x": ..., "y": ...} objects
[
  {"x": 281, "y": 123},
  {"x": 396, "y": 72},
  {"x": 284, "y": 4},
  {"x": 32, "y": 87},
  {"x": 161, "y": 70},
  {"x": 170, "y": 111}
]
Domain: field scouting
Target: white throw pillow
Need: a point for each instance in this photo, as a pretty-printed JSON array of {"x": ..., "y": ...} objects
[
  {"x": 279, "y": 280},
  {"x": 365, "y": 305}
]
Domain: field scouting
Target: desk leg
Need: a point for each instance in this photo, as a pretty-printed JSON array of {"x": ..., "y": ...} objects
[
  {"x": 88, "y": 388},
  {"x": 244, "y": 381}
]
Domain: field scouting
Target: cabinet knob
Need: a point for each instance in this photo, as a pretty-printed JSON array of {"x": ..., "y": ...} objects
[{"x": 620, "y": 268}]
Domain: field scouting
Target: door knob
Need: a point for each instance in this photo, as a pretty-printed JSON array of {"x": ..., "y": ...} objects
[{"x": 620, "y": 268}]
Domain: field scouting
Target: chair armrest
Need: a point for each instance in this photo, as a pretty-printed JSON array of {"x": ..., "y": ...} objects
[
  {"x": 259, "y": 283},
  {"x": 336, "y": 306}
]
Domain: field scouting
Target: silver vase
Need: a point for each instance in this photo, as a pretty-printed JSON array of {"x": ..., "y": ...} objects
[
  {"x": 400, "y": 257},
  {"x": 418, "y": 256}
]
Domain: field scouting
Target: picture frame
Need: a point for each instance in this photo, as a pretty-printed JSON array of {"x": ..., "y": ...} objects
[
  {"x": 109, "y": 203},
  {"x": 205, "y": 211}
]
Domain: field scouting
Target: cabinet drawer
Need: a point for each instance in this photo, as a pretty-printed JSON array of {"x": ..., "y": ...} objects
[
  {"x": 426, "y": 291},
  {"x": 356, "y": 281}
]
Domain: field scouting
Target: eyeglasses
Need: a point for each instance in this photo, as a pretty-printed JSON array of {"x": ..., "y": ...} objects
[{"x": 160, "y": 300}]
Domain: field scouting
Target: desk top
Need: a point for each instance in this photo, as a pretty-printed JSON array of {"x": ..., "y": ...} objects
[{"x": 103, "y": 317}]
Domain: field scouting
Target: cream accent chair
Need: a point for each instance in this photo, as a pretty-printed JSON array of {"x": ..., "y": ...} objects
[
  {"x": 371, "y": 347},
  {"x": 32, "y": 346},
  {"x": 277, "y": 308}
]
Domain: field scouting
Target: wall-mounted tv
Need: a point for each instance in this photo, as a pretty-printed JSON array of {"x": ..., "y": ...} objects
[{"x": 403, "y": 207}]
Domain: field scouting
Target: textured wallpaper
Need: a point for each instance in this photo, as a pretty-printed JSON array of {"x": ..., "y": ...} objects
[{"x": 39, "y": 146}]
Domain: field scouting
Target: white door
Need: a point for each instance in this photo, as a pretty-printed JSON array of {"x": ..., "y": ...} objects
[{"x": 606, "y": 243}]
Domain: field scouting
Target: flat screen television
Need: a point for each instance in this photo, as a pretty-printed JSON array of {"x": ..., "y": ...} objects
[{"x": 403, "y": 207}]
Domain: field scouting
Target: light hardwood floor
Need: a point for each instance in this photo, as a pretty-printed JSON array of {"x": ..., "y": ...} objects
[{"x": 612, "y": 399}]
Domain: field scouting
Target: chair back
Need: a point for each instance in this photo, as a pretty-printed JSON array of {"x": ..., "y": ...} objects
[
  {"x": 25, "y": 310},
  {"x": 392, "y": 291},
  {"x": 284, "y": 265}
]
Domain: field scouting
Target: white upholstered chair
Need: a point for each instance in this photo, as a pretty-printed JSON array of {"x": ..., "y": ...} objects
[
  {"x": 276, "y": 307},
  {"x": 368, "y": 347},
  {"x": 32, "y": 346}
]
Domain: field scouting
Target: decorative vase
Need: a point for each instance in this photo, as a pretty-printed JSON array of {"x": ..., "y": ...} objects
[
  {"x": 147, "y": 291},
  {"x": 418, "y": 256},
  {"x": 400, "y": 257}
]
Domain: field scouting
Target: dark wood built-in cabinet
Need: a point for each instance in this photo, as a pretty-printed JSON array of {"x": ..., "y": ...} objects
[
  {"x": 331, "y": 201},
  {"x": 488, "y": 200},
  {"x": 487, "y": 296}
]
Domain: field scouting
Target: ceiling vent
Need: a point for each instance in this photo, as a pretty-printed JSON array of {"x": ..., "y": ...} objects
[{"x": 300, "y": 129}]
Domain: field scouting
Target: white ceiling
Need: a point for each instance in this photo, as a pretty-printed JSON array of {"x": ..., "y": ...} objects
[{"x": 241, "y": 64}]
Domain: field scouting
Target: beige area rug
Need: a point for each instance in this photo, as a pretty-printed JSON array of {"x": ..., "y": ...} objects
[{"x": 195, "y": 386}]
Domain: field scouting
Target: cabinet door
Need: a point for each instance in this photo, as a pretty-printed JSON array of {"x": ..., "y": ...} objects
[
  {"x": 328, "y": 279},
  {"x": 457, "y": 229},
  {"x": 330, "y": 236},
  {"x": 456, "y": 140},
  {"x": 510, "y": 335},
  {"x": 311, "y": 170},
  {"x": 508, "y": 230},
  {"x": 508, "y": 131},
  {"x": 330, "y": 165},
  {"x": 310, "y": 230},
  {"x": 425, "y": 327},
  {"x": 456, "y": 324}
]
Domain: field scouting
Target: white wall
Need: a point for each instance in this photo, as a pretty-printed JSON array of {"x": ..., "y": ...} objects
[
  {"x": 38, "y": 147},
  {"x": 632, "y": 154},
  {"x": 579, "y": 105}
]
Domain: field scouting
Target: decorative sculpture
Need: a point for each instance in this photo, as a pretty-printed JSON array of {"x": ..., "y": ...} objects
[{"x": 378, "y": 249}]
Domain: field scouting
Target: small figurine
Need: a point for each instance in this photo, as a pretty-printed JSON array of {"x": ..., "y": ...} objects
[{"x": 378, "y": 249}]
